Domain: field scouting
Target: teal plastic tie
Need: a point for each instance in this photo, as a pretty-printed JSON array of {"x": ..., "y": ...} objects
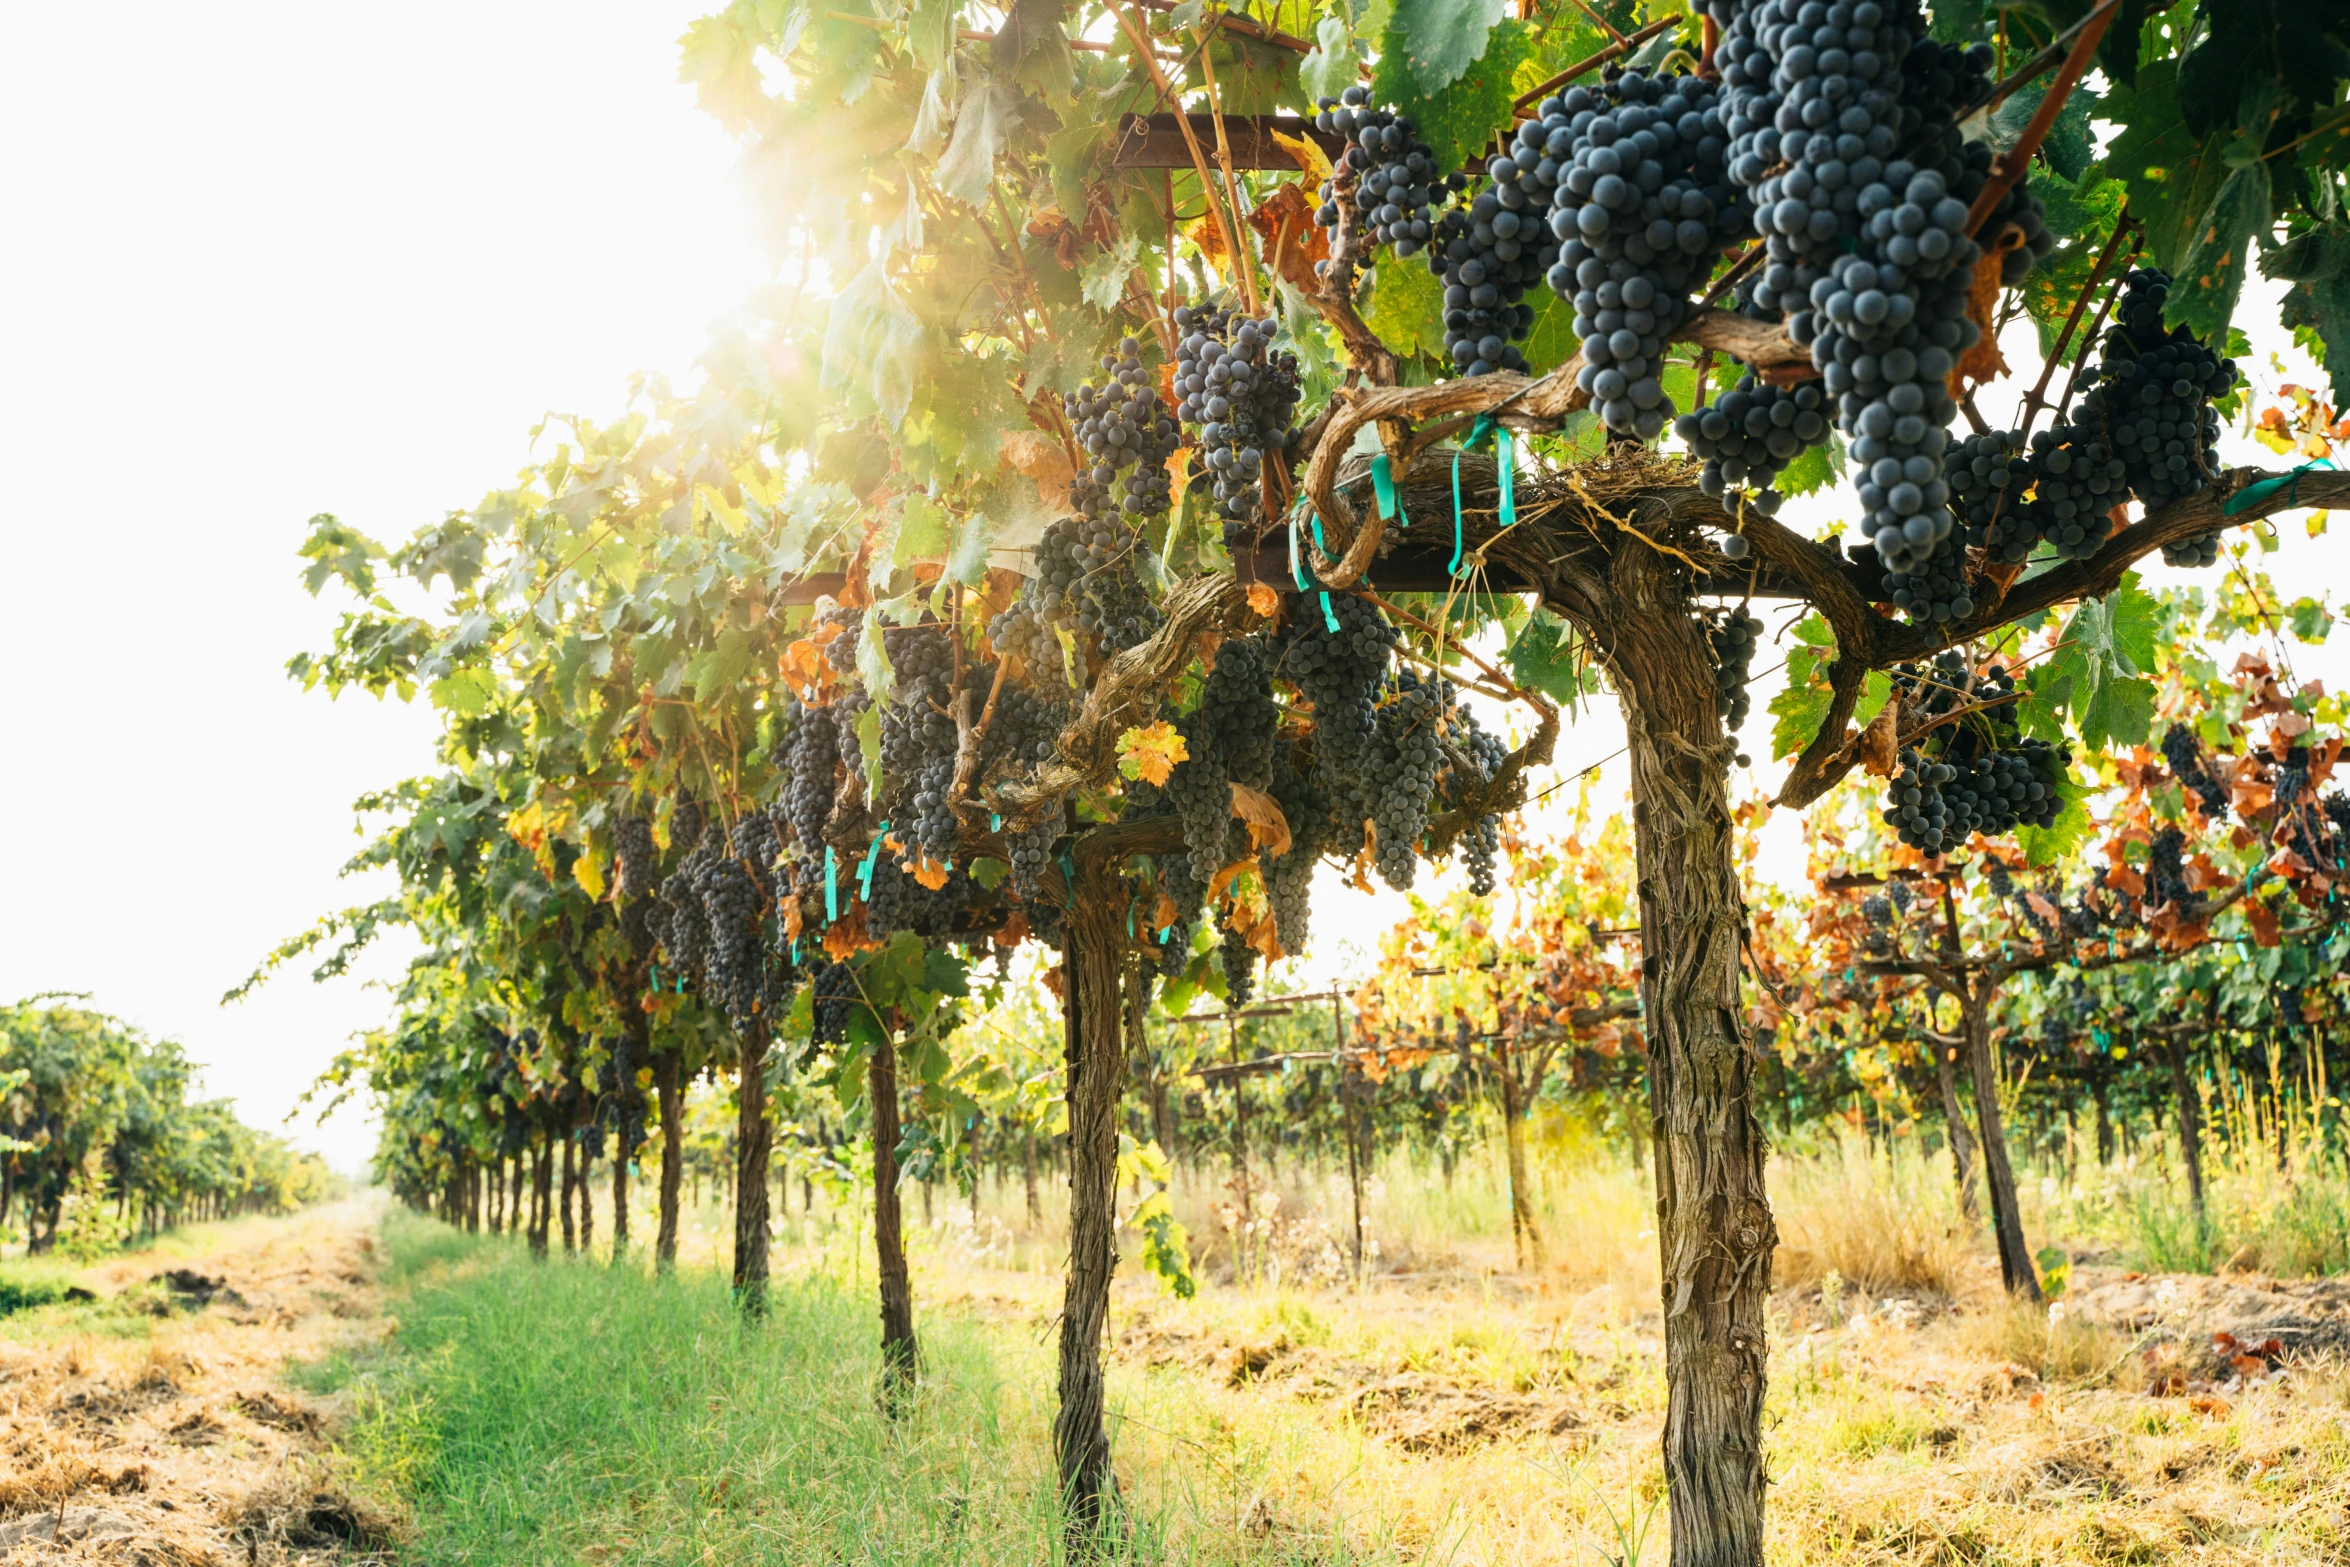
[
  {"x": 1505, "y": 450},
  {"x": 795, "y": 950},
  {"x": 865, "y": 871},
  {"x": 831, "y": 886},
  {"x": 1329, "y": 615},
  {"x": 2253, "y": 494},
  {"x": 1383, "y": 486},
  {"x": 995, "y": 822}
]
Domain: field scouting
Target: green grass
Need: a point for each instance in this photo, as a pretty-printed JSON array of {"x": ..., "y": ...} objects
[{"x": 552, "y": 1412}]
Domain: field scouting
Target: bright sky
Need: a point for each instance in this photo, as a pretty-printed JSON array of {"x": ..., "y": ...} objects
[
  {"x": 267, "y": 260},
  {"x": 277, "y": 259}
]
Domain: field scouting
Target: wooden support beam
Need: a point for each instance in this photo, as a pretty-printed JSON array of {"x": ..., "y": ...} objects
[{"x": 1155, "y": 141}]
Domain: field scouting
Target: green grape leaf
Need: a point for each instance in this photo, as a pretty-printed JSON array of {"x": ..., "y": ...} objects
[
  {"x": 2047, "y": 845},
  {"x": 1458, "y": 119},
  {"x": 2211, "y": 272},
  {"x": 1442, "y": 38},
  {"x": 1406, "y": 307}
]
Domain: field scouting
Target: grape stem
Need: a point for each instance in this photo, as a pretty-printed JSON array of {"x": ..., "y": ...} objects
[{"x": 2037, "y": 398}]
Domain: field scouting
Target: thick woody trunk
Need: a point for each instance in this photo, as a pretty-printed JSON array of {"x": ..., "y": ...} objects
[
  {"x": 1028, "y": 1176},
  {"x": 898, "y": 1349},
  {"x": 570, "y": 1180},
  {"x": 543, "y": 1195},
  {"x": 752, "y": 1139},
  {"x": 2182, "y": 1089},
  {"x": 1093, "y": 1037},
  {"x": 1714, "y": 1230},
  {"x": 2007, "y": 1219},
  {"x": 2101, "y": 1093},
  {"x": 667, "y": 1069},
  {"x": 619, "y": 1196},
  {"x": 1962, "y": 1143},
  {"x": 587, "y": 1202},
  {"x": 1513, "y": 1122}
]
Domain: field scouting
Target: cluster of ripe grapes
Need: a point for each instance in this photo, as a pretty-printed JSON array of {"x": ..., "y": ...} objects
[
  {"x": 1640, "y": 203},
  {"x": 2190, "y": 764},
  {"x": 1238, "y": 395},
  {"x": 1843, "y": 130},
  {"x": 2152, "y": 404},
  {"x": 1228, "y": 739},
  {"x": 1396, "y": 179},
  {"x": 1732, "y": 639},
  {"x": 1749, "y": 435},
  {"x": 1489, "y": 249},
  {"x": 1122, "y": 425},
  {"x": 1971, "y": 773},
  {"x": 2146, "y": 427}
]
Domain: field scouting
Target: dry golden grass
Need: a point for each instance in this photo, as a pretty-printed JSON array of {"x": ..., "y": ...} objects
[{"x": 154, "y": 1424}]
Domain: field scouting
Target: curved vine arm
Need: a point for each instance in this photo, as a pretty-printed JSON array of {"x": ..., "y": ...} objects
[{"x": 1535, "y": 406}]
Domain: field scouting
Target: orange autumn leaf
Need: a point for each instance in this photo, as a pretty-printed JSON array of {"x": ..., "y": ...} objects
[
  {"x": 1150, "y": 754},
  {"x": 1264, "y": 600}
]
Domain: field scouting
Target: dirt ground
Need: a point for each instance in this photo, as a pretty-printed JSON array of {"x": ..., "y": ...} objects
[{"x": 154, "y": 1423}]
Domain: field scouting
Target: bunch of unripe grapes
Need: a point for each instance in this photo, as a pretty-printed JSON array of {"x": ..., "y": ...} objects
[
  {"x": 1396, "y": 179},
  {"x": 1640, "y": 205},
  {"x": 1732, "y": 640},
  {"x": 1238, "y": 394},
  {"x": 1120, "y": 425},
  {"x": 2152, "y": 402},
  {"x": 1749, "y": 436}
]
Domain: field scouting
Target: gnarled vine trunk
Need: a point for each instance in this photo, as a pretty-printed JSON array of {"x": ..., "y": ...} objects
[
  {"x": 1962, "y": 1144},
  {"x": 1715, "y": 1235},
  {"x": 752, "y": 1139},
  {"x": 1513, "y": 1132},
  {"x": 2182, "y": 1087},
  {"x": 2007, "y": 1216},
  {"x": 667, "y": 1070},
  {"x": 899, "y": 1357},
  {"x": 1093, "y": 1040}
]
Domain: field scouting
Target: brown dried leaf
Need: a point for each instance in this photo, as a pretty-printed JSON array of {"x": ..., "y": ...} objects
[
  {"x": 1268, "y": 829},
  {"x": 1264, "y": 600},
  {"x": 1289, "y": 239},
  {"x": 1880, "y": 742}
]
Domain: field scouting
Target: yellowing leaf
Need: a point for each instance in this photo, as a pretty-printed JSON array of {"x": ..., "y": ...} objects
[
  {"x": 588, "y": 871},
  {"x": 1308, "y": 153},
  {"x": 1151, "y": 754}
]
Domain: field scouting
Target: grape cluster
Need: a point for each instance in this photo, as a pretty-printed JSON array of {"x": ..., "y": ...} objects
[
  {"x": 2166, "y": 870},
  {"x": 2188, "y": 763},
  {"x": 1340, "y": 675},
  {"x": 634, "y": 856},
  {"x": 686, "y": 818},
  {"x": 1238, "y": 394},
  {"x": 1402, "y": 778},
  {"x": 2076, "y": 484},
  {"x": 1640, "y": 204},
  {"x": 834, "y": 996},
  {"x": 1121, "y": 424},
  {"x": 1228, "y": 739},
  {"x": 731, "y": 909},
  {"x": 1988, "y": 475},
  {"x": 1395, "y": 173},
  {"x": 1481, "y": 849},
  {"x": 1750, "y": 434},
  {"x": 1490, "y": 248},
  {"x": 918, "y": 742},
  {"x": 1087, "y": 582},
  {"x": 1289, "y": 877},
  {"x": 1972, "y": 775},
  {"x": 2152, "y": 403},
  {"x": 810, "y": 763},
  {"x": 1732, "y": 640},
  {"x": 1877, "y": 910},
  {"x": 1032, "y": 854},
  {"x": 2000, "y": 880},
  {"x": 1941, "y": 803},
  {"x": 1240, "y": 970}
]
